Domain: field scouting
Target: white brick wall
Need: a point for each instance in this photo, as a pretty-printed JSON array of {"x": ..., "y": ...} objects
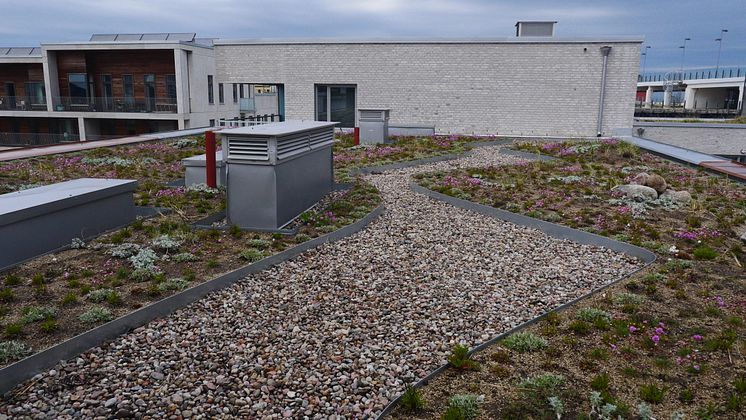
[{"x": 541, "y": 88}]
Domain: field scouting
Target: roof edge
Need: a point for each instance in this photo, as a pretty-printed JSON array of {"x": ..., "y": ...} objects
[{"x": 506, "y": 40}]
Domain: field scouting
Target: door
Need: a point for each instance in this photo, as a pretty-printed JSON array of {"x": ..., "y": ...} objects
[
  {"x": 336, "y": 103},
  {"x": 150, "y": 92},
  {"x": 106, "y": 90},
  {"x": 10, "y": 92}
]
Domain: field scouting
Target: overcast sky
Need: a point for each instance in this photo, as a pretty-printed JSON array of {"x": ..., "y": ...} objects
[{"x": 663, "y": 23}]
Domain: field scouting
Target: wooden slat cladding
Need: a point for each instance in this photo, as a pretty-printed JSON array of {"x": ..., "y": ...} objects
[
  {"x": 19, "y": 74},
  {"x": 117, "y": 63}
]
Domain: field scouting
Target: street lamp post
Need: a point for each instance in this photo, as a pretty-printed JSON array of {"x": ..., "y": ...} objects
[
  {"x": 683, "y": 54},
  {"x": 645, "y": 59},
  {"x": 720, "y": 47}
]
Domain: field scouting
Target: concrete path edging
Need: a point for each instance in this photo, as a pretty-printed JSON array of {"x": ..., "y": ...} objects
[
  {"x": 24, "y": 369},
  {"x": 551, "y": 229}
]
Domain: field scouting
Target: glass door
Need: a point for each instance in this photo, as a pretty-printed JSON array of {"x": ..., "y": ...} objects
[
  {"x": 10, "y": 92},
  {"x": 336, "y": 103},
  {"x": 107, "y": 92},
  {"x": 150, "y": 92}
]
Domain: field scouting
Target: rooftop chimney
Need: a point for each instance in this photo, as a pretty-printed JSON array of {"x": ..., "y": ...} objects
[{"x": 534, "y": 28}]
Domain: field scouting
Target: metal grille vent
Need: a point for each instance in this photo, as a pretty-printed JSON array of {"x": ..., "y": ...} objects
[
  {"x": 370, "y": 114},
  {"x": 292, "y": 145},
  {"x": 321, "y": 138},
  {"x": 242, "y": 148}
]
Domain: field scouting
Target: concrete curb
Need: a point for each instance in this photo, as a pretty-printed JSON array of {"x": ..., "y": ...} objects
[
  {"x": 14, "y": 374},
  {"x": 551, "y": 229}
]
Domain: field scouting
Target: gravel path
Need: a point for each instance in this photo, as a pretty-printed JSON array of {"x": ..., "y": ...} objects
[{"x": 339, "y": 330}]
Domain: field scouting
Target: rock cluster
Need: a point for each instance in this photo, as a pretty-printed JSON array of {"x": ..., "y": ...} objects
[
  {"x": 649, "y": 187},
  {"x": 337, "y": 331}
]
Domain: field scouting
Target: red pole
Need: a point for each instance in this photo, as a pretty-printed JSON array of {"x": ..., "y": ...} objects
[
  {"x": 210, "y": 159},
  {"x": 357, "y": 136}
]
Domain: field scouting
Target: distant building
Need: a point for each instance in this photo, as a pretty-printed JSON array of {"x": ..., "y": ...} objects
[{"x": 116, "y": 85}]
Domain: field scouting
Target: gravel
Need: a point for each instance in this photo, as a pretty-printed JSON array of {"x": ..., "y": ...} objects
[{"x": 338, "y": 331}]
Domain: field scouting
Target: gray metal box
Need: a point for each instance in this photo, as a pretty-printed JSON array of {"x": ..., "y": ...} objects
[
  {"x": 195, "y": 169},
  {"x": 39, "y": 220},
  {"x": 275, "y": 172},
  {"x": 374, "y": 125}
]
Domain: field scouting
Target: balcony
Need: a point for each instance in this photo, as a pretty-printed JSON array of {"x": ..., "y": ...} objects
[
  {"x": 134, "y": 105},
  {"x": 22, "y": 103},
  {"x": 35, "y": 139}
]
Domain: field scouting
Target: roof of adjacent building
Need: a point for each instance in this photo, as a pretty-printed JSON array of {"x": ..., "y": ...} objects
[
  {"x": 122, "y": 40},
  {"x": 20, "y": 52}
]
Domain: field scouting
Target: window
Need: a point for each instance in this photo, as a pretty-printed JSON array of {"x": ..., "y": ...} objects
[
  {"x": 212, "y": 123},
  {"x": 240, "y": 91},
  {"x": 129, "y": 89},
  {"x": 35, "y": 93},
  {"x": 171, "y": 88},
  {"x": 336, "y": 103},
  {"x": 221, "y": 94},
  {"x": 149, "y": 80},
  {"x": 235, "y": 93},
  {"x": 210, "y": 93},
  {"x": 106, "y": 91},
  {"x": 78, "y": 83}
]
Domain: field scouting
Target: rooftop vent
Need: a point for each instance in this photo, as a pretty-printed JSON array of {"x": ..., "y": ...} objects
[{"x": 535, "y": 28}]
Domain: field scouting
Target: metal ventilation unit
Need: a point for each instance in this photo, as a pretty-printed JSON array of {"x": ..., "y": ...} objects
[
  {"x": 374, "y": 125},
  {"x": 276, "y": 171},
  {"x": 535, "y": 28}
]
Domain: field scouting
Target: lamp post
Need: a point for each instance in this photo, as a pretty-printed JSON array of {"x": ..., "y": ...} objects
[
  {"x": 644, "y": 59},
  {"x": 720, "y": 47},
  {"x": 683, "y": 54}
]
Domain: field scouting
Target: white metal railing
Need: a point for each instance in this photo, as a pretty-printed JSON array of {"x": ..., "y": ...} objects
[{"x": 248, "y": 121}]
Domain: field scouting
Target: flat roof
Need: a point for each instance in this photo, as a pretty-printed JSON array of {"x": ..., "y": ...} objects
[
  {"x": 278, "y": 128},
  {"x": 505, "y": 40}
]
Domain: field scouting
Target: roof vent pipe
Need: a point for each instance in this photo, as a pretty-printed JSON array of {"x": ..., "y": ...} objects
[{"x": 605, "y": 50}]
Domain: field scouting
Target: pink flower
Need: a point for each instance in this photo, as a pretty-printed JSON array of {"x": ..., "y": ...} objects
[
  {"x": 632, "y": 328},
  {"x": 613, "y": 347},
  {"x": 655, "y": 339},
  {"x": 697, "y": 337},
  {"x": 659, "y": 330},
  {"x": 696, "y": 367}
]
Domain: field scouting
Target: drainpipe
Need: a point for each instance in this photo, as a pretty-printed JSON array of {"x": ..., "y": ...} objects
[{"x": 605, "y": 52}]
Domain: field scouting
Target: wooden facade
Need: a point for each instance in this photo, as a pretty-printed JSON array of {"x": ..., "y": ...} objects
[
  {"x": 116, "y": 63},
  {"x": 19, "y": 74}
]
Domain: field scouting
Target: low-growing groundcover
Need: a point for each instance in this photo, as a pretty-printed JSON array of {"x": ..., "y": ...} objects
[
  {"x": 667, "y": 342},
  {"x": 57, "y": 296},
  {"x": 404, "y": 148}
]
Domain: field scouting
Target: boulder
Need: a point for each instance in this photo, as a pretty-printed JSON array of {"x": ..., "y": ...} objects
[
  {"x": 681, "y": 198},
  {"x": 657, "y": 183},
  {"x": 653, "y": 181},
  {"x": 640, "y": 179},
  {"x": 637, "y": 192}
]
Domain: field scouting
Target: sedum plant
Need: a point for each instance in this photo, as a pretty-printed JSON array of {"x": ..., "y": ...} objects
[
  {"x": 464, "y": 406},
  {"x": 524, "y": 342},
  {"x": 144, "y": 259},
  {"x": 13, "y": 350},
  {"x": 35, "y": 314},
  {"x": 96, "y": 315}
]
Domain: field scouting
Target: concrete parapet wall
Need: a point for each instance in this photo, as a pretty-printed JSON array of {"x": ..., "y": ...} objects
[{"x": 712, "y": 138}]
